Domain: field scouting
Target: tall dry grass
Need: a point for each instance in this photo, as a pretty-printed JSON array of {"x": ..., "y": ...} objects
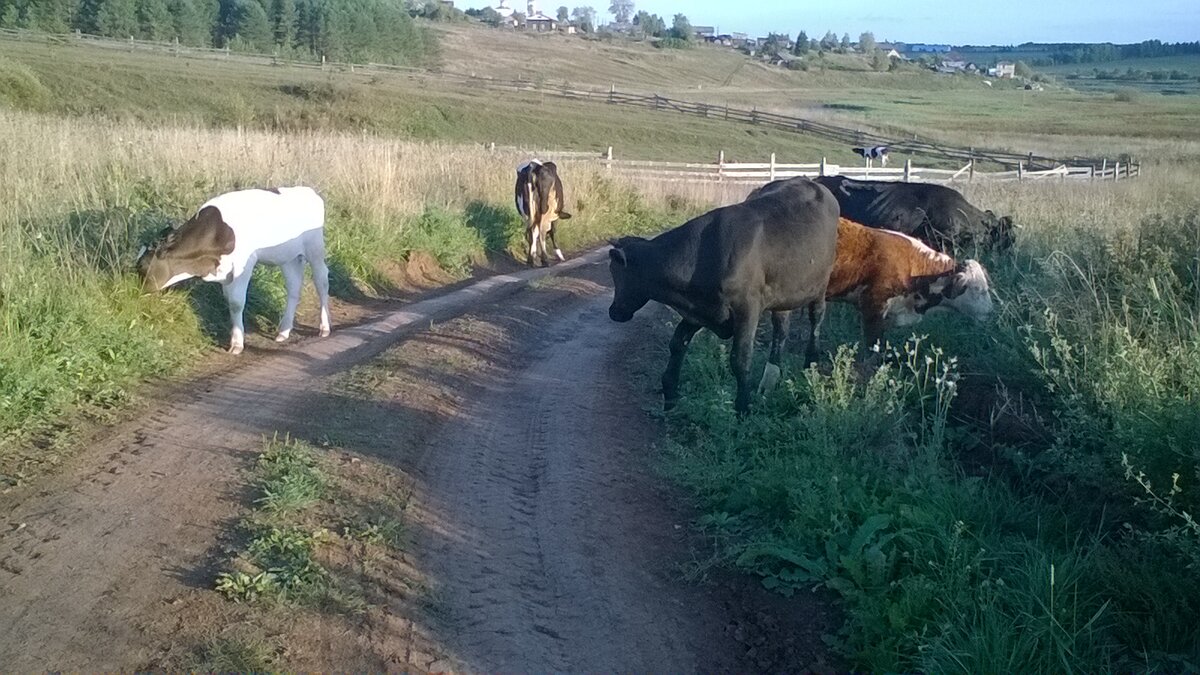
[{"x": 78, "y": 196}]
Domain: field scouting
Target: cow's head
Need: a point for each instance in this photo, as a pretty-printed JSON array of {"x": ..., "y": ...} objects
[
  {"x": 629, "y": 292},
  {"x": 193, "y": 250},
  {"x": 1000, "y": 230},
  {"x": 965, "y": 290}
]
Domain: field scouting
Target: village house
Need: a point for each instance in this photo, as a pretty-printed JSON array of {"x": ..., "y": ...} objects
[{"x": 1004, "y": 70}]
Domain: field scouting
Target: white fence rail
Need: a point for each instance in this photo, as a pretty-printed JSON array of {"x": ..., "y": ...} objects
[{"x": 760, "y": 172}]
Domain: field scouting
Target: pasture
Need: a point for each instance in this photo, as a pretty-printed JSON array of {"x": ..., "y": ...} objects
[{"x": 1008, "y": 496}]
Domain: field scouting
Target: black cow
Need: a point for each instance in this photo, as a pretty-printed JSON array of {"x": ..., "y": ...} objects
[
  {"x": 938, "y": 215},
  {"x": 720, "y": 271}
]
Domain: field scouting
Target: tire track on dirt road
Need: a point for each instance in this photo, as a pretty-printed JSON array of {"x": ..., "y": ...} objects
[
  {"x": 552, "y": 545},
  {"x": 95, "y": 551}
]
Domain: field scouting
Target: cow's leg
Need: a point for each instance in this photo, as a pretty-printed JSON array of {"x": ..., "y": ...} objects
[
  {"x": 684, "y": 333},
  {"x": 546, "y": 231},
  {"x": 554, "y": 241},
  {"x": 532, "y": 238},
  {"x": 816, "y": 316},
  {"x": 739, "y": 360},
  {"x": 320, "y": 272},
  {"x": 772, "y": 371},
  {"x": 293, "y": 279},
  {"x": 235, "y": 294}
]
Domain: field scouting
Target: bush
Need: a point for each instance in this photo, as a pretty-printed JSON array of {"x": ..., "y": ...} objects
[
  {"x": 20, "y": 88},
  {"x": 1126, "y": 95},
  {"x": 673, "y": 43}
]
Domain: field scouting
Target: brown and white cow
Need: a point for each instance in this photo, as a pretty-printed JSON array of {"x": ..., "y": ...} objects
[
  {"x": 895, "y": 279},
  {"x": 892, "y": 278},
  {"x": 233, "y": 232},
  {"x": 539, "y": 197}
]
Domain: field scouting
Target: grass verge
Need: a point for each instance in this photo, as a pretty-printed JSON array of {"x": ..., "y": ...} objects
[
  {"x": 1021, "y": 506},
  {"x": 79, "y": 337}
]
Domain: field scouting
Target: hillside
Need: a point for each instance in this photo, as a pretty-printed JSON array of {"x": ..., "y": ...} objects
[{"x": 840, "y": 89}]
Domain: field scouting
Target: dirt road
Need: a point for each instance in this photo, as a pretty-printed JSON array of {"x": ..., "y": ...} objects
[{"x": 548, "y": 542}]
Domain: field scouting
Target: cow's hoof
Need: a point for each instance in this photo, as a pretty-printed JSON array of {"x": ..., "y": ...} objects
[
  {"x": 283, "y": 336},
  {"x": 235, "y": 350},
  {"x": 324, "y": 331}
]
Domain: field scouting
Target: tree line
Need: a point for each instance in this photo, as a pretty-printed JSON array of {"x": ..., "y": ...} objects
[
  {"x": 1067, "y": 54},
  {"x": 339, "y": 30}
]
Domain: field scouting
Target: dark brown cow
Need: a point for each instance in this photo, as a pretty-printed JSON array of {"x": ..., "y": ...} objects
[{"x": 723, "y": 269}]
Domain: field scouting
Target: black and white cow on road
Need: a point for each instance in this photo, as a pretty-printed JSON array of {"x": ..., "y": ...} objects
[
  {"x": 723, "y": 269},
  {"x": 539, "y": 197},
  {"x": 937, "y": 215}
]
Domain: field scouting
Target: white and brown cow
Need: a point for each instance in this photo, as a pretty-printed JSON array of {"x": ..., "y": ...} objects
[
  {"x": 895, "y": 279},
  {"x": 233, "y": 232},
  {"x": 539, "y": 197}
]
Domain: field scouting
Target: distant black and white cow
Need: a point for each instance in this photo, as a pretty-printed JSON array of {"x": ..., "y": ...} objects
[
  {"x": 539, "y": 196},
  {"x": 937, "y": 215},
  {"x": 723, "y": 269},
  {"x": 879, "y": 152},
  {"x": 233, "y": 232}
]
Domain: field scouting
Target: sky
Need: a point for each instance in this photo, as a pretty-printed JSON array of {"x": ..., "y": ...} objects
[{"x": 947, "y": 21}]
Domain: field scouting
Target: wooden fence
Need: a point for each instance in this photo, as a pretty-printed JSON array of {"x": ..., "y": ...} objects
[
  {"x": 1017, "y": 164},
  {"x": 762, "y": 172}
]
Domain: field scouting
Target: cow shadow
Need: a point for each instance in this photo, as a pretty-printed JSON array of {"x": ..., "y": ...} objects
[{"x": 499, "y": 227}]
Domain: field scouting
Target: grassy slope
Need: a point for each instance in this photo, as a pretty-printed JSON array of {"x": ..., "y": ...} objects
[
  {"x": 958, "y": 109},
  {"x": 156, "y": 88}
]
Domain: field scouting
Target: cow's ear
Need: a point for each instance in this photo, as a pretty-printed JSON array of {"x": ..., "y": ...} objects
[{"x": 618, "y": 254}]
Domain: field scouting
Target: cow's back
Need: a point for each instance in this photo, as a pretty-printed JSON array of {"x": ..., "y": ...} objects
[
  {"x": 263, "y": 219},
  {"x": 778, "y": 246}
]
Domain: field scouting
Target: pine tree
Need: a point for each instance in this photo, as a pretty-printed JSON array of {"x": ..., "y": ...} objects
[
  {"x": 250, "y": 28},
  {"x": 801, "y": 46},
  {"x": 87, "y": 17},
  {"x": 187, "y": 24},
  {"x": 117, "y": 18},
  {"x": 49, "y": 16},
  {"x": 283, "y": 22},
  {"x": 10, "y": 15},
  {"x": 154, "y": 20}
]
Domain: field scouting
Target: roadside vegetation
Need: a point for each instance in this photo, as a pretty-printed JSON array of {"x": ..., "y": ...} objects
[
  {"x": 79, "y": 197},
  {"x": 1012, "y": 497}
]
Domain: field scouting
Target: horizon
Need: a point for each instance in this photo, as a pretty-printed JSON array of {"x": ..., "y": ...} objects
[{"x": 924, "y": 21}]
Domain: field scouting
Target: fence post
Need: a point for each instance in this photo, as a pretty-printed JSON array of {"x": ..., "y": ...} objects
[
  {"x": 492, "y": 147},
  {"x": 721, "y": 167},
  {"x": 1103, "y": 168},
  {"x": 754, "y": 115},
  {"x": 1116, "y": 172},
  {"x": 772, "y": 170},
  {"x": 822, "y": 171},
  {"x": 1030, "y": 164},
  {"x": 1020, "y": 171},
  {"x": 971, "y": 171},
  {"x": 1092, "y": 173},
  {"x": 612, "y": 90},
  {"x": 908, "y": 170}
]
